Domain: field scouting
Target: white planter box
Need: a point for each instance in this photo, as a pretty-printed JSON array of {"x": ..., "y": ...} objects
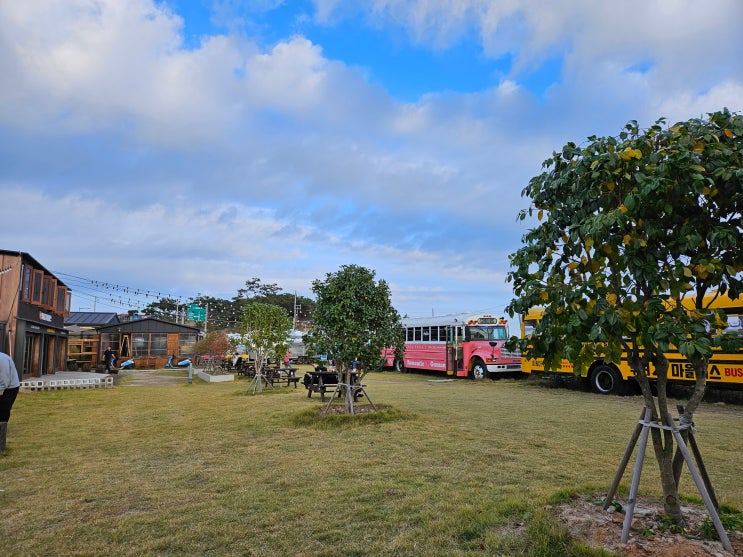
[{"x": 215, "y": 378}]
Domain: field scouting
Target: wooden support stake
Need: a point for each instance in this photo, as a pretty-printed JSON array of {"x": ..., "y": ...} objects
[
  {"x": 700, "y": 479},
  {"x": 700, "y": 463},
  {"x": 702, "y": 489},
  {"x": 625, "y": 461},
  {"x": 348, "y": 391},
  {"x": 636, "y": 476},
  {"x": 257, "y": 382}
]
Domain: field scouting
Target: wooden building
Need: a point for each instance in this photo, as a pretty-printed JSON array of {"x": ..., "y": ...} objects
[
  {"x": 33, "y": 305},
  {"x": 149, "y": 341},
  {"x": 84, "y": 341}
]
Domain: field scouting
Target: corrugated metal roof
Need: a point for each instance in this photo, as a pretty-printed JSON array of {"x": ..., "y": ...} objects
[
  {"x": 149, "y": 325},
  {"x": 91, "y": 318}
]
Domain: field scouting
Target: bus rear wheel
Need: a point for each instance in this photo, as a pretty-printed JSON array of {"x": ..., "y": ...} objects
[
  {"x": 479, "y": 370},
  {"x": 606, "y": 380},
  {"x": 399, "y": 365}
]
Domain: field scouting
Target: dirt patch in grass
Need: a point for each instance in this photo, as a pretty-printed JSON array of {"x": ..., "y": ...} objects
[
  {"x": 341, "y": 409},
  {"x": 586, "y": 520},
  {"x": 338, "y": 416}
]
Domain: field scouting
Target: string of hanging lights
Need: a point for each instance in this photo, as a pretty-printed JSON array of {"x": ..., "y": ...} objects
[{"x": 98, "y": 295}]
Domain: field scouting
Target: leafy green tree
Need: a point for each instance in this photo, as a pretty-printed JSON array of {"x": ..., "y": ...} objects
[
  {"x": 265, "y": 330},
  {"x": 254, "y": 288},
  {"x": 353, "y": 318},
  {"x": 256, "y": 291},
  {"x": 635, "y": 235},
  {"x": 165, "y": 309}
]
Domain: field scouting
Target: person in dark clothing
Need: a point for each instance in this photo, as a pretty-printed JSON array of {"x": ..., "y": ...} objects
[
  {"x": 10, "y": 384},
  {"x": 108, "y": 356}
]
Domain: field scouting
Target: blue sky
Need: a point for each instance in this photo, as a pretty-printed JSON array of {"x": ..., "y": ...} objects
[{"x": 184, "y": 147}]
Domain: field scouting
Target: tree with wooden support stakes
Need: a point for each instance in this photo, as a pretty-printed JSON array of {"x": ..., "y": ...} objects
[
  {"x": 353, "y": 318},
  {"x": 265, "y": 330},
  {"x": 636, "y": 240}
]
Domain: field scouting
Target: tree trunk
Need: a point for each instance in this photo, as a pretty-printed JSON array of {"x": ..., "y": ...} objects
[
  {"x": 344, "y": 376},
  {"x": 663, "y": 445}
]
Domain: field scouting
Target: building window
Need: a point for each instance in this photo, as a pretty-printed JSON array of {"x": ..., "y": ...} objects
[
  {"x": 48, "y": 291},
  {"x": 26, "y": 285},
  {"x": 158, "y": 344},
  {"x": 109, "y": 339},
  {"x": 61, "y": 302},
  {"x": 37, "y": 286},
  {"x": 186, "y": 343},
  {"x": 140, "y": 345}
]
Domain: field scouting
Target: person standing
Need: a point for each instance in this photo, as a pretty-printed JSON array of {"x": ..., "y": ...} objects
[
  {"x": 10, "y": 383},
  {"x": 108, "y": 356}
]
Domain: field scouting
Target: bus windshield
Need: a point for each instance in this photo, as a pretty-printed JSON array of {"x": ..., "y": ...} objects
[{"x": 487, "y": 332}]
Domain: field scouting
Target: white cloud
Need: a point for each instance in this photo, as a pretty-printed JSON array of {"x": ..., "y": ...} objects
[{"x": 209, "y": 164}]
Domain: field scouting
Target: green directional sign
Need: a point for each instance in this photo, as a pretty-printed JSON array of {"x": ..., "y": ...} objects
[{"x": 195, "y": 313}]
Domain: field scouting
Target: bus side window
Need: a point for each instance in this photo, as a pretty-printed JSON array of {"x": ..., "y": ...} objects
[
  {"x": 426, "y": 334},
  {"x": 734, "y": 324},
  {"x": 529, "y": 327}
]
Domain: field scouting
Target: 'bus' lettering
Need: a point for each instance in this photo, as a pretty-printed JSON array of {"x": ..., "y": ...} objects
[{"x": 734, "y": 372}]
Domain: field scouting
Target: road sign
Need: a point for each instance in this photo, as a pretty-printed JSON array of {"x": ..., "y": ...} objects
[{"x": 195, "y": 313}]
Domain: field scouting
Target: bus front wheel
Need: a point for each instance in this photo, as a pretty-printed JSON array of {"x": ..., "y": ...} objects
[
  {"x": 399, "y": 365},
  {"x": 606, "y": 380},
  {"x": 479, "y": 370}
]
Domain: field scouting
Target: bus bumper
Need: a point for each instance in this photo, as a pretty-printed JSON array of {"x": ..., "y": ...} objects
[{"x": 504, "y": 368}]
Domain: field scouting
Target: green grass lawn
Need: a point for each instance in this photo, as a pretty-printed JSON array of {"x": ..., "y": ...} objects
[{"x": 455, "y": 468}]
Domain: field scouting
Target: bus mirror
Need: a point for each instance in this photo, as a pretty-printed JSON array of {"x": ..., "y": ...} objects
[{"x": 493, "y": 343}]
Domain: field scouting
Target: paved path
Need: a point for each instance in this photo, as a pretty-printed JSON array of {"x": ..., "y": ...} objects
[{"x": 137, "y": 377}]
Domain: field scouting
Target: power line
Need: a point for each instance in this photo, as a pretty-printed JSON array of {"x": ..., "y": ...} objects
[
  {"x": 117, "y": 297},
  {"x": 113, "y": 294}
]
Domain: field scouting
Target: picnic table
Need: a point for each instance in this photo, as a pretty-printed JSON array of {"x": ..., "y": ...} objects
[
  {"x": 319, "y": 381},
  {"x": 280, "y": 374}
]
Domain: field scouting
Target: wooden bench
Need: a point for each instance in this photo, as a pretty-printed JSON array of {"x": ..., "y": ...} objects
[
  {"x": 318, "y": 382},
  {"x": 289, "y": 379},
  {"x": 321, "y": 381},
  {"x": 279, "y": 375}
]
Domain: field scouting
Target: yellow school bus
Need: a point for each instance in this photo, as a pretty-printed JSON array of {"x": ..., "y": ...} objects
[{"x": 725, "y": 368}]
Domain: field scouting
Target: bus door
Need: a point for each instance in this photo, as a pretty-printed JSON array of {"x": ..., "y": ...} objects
[{"x": 454, "y": 357}]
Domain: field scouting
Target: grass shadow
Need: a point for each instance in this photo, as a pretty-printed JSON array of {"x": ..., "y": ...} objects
[{"x": 316, "y": 419}]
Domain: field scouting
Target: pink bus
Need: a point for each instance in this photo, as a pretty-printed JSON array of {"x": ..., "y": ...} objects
[{"x": 463, "y": 345}]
